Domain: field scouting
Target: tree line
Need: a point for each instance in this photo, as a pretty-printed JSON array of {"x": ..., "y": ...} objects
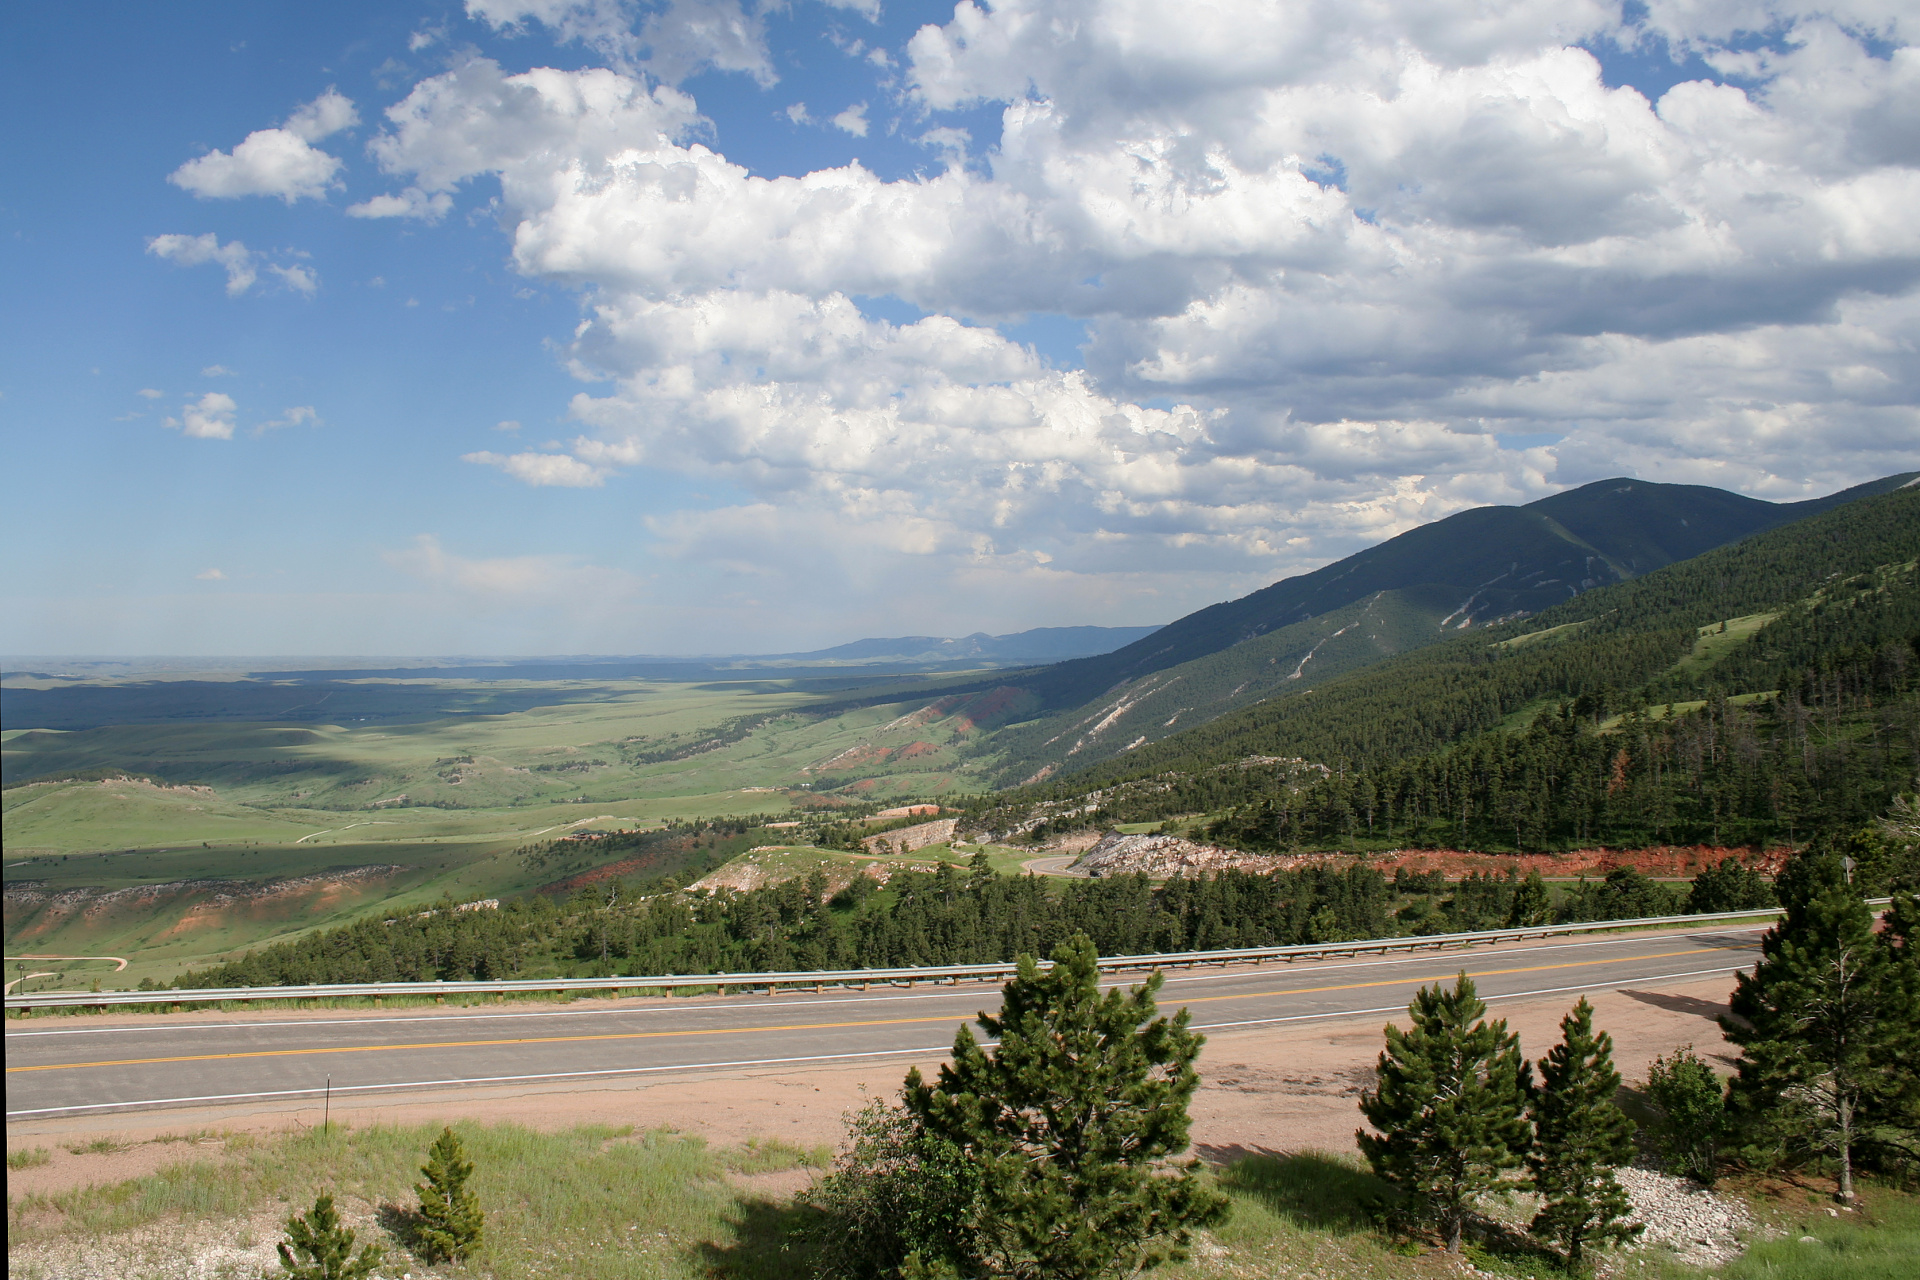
[{"x": 950, "y": 915}]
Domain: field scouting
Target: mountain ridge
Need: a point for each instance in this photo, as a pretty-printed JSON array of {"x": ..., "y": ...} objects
[{"x": 1470, "y": 570}]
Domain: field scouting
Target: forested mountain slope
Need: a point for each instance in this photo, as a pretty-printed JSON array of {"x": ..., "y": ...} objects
[
  {"x": 1743, "y": 694},
  {"x": 1465, "y": 572}
]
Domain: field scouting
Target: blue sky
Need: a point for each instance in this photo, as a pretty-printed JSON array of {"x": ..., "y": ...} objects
[{"x": 857, "y": 402}]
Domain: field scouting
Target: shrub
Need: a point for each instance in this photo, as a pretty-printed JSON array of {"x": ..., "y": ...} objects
[
  {"x": 896, "y": 1193},
  {"x": 318, "y": 1247},
  {"x": 1692, "y": 1114}
]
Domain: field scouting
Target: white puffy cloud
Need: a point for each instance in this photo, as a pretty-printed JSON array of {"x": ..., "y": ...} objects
[
  {"x": 410, "y": 203},
  {"x": 543, "y": 469},
  {"x": 300, "y": 279},
  {"x": 192, "y": 251},
  {"x": 210, "y": 575},
  {"x": 242, "y": 265},
  {"x": 853, "y": 120},
  {"x": 1326, "y": 254},
  {"x": 279, "y": 162},
  {"x": 208, "y": 418}
]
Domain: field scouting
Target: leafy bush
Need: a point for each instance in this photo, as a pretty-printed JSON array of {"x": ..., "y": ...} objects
[
  {"x": 1693, "y": 1114},
  {"x": 896, "y": 1193}
]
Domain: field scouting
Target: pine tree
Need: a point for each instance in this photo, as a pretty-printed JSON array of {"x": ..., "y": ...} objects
[
  {"x": 317, "y": 1247},
  {"x": 450, "y": 1216},
  {"x": 1826, "y": 1022},
  {"x": 1580, "y": 1137},
  {"x": 1450, "y": 1107},
  {"x": 1531, "y": 904},
  {"x": 1069, "y": 1123}
]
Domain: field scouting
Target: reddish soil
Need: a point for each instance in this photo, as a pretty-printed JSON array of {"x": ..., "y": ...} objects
[
  {"x": 915, "y": 749},
  {"x": 984, "y": 710},
  {"x": 1661, "y": 860}
]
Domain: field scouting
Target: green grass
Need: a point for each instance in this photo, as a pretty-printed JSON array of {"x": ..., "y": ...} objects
[
  {"x": 1716, "y": 640},
  {"x": 1884, "y": 1247},
  {"x": 28, "y": 1157},
  {"x": 596, "y": 1202},
  {"x": 276, "y": 782},
  {"x": 606, "y": 1203}
]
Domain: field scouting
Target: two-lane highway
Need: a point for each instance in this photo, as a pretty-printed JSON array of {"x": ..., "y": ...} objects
[{"x": 66, "y": 1066}]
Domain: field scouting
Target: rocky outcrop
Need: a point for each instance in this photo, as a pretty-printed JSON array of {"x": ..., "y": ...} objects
[
  {"x": 907, "y": 839},
  {"x": 1165, "y": 856}
]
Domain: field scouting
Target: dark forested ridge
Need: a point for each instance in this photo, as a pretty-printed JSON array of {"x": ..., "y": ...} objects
[
  {"x": 1463, "y": 573},
  {"x": 1575, "y": 726}
]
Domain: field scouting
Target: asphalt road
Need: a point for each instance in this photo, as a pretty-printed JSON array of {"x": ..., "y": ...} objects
[{"x": 71, "y": 1068}]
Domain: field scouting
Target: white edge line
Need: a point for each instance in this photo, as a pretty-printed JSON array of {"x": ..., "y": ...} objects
[
  {"x": 770, "y": 1062},
  {"x": 429, "y": 1084},
  {"x": 684, "y": 1004},
  {"x": 1509, "y": 995}
]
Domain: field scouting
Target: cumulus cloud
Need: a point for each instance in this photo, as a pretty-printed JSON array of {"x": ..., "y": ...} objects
[
  {"x": 210, "y": 575},
  {"x": 242, "y": 265},
  {"x": 208, "y": 418},
  {"x": 1326, "y": 256},
  {"x": 543, "y": 469},
  {"x": 853, "y": 120},
  {"x": 279, "y": 162},
  {"x": 192, "y": 251},
  {"x": 411, "y": 203}
]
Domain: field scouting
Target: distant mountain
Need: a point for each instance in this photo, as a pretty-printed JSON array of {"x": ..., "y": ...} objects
[
  {"x": 1022, "y": 648},
  {"x": 1760, "y": 692},
  {"x": 1470, "y": 570}
]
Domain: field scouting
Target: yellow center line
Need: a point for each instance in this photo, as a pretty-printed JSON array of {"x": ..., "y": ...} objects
[{"x": 798, "y": 1026}]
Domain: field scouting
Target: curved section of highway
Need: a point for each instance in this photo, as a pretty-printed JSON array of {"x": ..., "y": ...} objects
[{"x": 79, "y": 1066}]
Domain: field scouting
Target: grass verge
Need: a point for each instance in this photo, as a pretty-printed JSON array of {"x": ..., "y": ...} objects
[{"x": 595, "y": 1202}]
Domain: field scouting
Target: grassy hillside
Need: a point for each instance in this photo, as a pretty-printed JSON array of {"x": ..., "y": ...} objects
[
  {"x": 1469, "y": 571},
  {"x": 1840, "y": 604}
]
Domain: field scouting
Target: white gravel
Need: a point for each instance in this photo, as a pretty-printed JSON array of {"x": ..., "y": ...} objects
[{"x": 1699, "y": 1226}]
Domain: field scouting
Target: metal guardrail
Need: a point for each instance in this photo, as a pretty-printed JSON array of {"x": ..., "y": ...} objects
[{"x": 821, "y": 979}]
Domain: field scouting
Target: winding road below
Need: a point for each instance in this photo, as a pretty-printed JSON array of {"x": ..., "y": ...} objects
[{"x": 73, "y": 1067}]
